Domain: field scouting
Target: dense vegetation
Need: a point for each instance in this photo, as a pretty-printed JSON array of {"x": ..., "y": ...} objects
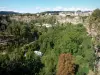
[{"x": 19, "y": 40}]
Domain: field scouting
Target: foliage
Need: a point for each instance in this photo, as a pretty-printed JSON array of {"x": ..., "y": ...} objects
[
  {"x": 65, "y": 65},
  {"x": 67, "y": 39},
  {"x": 19, "y": 57}
]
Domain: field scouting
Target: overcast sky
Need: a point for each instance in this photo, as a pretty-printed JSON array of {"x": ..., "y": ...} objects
[{"x": 32, "y": 6}]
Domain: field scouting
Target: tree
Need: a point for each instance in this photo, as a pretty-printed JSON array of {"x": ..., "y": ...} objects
[
  {"x": 4, "y": 22},
  {"x": 66, "y": 65},
  {"x": 26, "y": 32},
  {"x": 67, "y": 39}
]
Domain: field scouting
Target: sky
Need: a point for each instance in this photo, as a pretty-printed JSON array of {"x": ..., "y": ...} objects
[{"x": 33, "y": 6}]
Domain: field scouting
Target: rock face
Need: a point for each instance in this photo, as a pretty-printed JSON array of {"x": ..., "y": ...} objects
[
  {"x": 22, "y": 18},
  {"x": 74, "y": 20},
  {"x": 59, "y": 18},
  {"x": 38, "y": 53},
  {"x": 91, "y": 72}
]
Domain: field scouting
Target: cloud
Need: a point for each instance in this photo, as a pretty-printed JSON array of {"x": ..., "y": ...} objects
[
  {"x": 16, "y": 10},
  {"x": 7, "y": 9},
  {"x": 37, "y": 8},
  {"x": 40, "y": 9},
  {"x": 59, "y": 8},
  {"x": 2, "y": 8}
]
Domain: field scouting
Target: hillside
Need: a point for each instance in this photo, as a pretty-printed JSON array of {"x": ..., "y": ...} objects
[{"x": 8, "y": 12}]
